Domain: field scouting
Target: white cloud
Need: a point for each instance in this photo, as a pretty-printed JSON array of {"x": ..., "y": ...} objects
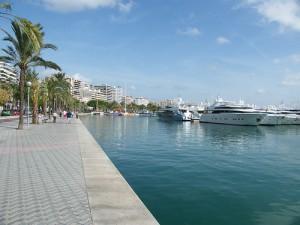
[
  {"x": 81, "y": 77},
  {"x": 79, "y": 5},
  {"x": 190, "y": 31},
  {"x": 291, "y": 80},
  {"x": 222, "y": 40},
  {"x": 286, "y": 13},
  {"x": 126, "y": 7}
]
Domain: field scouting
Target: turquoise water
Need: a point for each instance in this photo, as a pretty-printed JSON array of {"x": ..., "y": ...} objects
[{"x": 210, "y": 174}]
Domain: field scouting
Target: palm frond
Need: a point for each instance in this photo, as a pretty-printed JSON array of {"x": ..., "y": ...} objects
[
  {"x": 34, "y": 33},
  {"x": 5, "y": 5},
  {"x": 6, "y": 59},
  {"x": 38, "y": 61},
  {"x": 50, "y": 46}
]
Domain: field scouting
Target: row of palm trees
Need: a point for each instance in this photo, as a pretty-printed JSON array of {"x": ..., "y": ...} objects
[{"x": 26, "y": 45}]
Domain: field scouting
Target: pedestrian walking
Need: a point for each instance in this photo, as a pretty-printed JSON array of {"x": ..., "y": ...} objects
[
  {"x": 69, "y": 116},
  {"x": 54, "y": 117}
]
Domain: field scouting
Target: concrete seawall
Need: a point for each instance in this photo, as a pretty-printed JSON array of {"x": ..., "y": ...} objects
[{"x": 111, "y": 199}]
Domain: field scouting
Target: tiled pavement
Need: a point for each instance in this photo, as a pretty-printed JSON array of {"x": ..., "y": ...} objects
[
  {"x": 58, "y": 174},
  {"x": 41, "y": 176}
]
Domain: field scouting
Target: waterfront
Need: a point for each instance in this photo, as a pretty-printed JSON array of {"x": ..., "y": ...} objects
[{"x": 189, "y": 173}]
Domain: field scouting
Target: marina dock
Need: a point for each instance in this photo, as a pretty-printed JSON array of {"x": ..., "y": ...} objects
[{"x": 58, "y": 174}]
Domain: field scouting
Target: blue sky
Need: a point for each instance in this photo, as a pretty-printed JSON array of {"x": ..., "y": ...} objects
[{"x": 237, "y": 49}]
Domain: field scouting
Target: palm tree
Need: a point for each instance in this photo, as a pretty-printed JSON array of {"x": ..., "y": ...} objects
[
  {"x": 59, "y": 91},
  {"x": 23, "y": 53}
]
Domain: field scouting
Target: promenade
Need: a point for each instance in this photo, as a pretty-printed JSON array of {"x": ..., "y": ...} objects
[{"x": 58, "y": 174}]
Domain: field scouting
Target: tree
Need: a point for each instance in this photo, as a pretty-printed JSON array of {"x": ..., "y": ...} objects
[
  {"x": 24, "y": 53},
  {"x": 59, "y": 93},
  {"x": 5, "y": 96},
  {"x": 152, "y": 107}
]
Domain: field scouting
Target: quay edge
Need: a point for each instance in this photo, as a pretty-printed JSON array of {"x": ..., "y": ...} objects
[{"x": 111, "y": 199}]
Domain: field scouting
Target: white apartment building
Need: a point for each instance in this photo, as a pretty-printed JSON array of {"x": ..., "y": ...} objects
[
  {"x": 7, "y": 73},
  {"x": 84, "y": 92},
  {"x": 80, "y": 90},
  {"x": 117, "y": 94},
  {"x": 141, "y": 101},
  {"x": 166, "y": 102},
  {"x": 108, "y": 93}
]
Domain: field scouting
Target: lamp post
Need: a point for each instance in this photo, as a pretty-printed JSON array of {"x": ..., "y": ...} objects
[{"x": 28, "y": 84}]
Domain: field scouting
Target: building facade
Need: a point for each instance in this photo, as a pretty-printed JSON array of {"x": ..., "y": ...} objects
[
  {"x": 81, "y": 90},
  {"x": 7, "y": 73},
  {"x": 141, "y": 101},
  {"x": 84, "y": 92}
]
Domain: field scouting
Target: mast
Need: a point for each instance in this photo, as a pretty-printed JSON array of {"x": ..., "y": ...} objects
[{"x": 125, "y": 99}]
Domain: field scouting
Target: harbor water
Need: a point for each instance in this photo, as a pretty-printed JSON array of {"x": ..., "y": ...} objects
[{"x": 191, "y": 173}]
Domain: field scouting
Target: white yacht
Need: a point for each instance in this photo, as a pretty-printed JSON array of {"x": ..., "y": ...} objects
[
  {"x": 281, "y": 117},
  {"x": 224, "y": 112},
  {"x": 196, "y": 111},
  {"x": 272, "y": 119},
  {"x": 290, "y": 117},
  {"x": 273, "y": 116},
  {"x": 178, "y": 112}
]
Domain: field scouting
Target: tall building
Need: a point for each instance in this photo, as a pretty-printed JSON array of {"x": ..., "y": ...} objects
[
  {"x": 117, "y": 94},
  {"x": 166, "y": 102},
  {"x": 7, "y": 73},
  {"x": 80, "y": 90},
  {"x": 109, "y": 93},
  {"x": 85, "y": 92}
]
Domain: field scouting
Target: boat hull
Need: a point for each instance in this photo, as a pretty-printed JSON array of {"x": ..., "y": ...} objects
[
  {"x": 291, "y": 120},
  {"x": 168, "y": 115},
  {"x": 245, "y": 119},
  {"x": 272, "y": 120}
]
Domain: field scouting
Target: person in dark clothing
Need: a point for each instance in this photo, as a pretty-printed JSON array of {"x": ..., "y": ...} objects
[{"x": 69, "y": 116}]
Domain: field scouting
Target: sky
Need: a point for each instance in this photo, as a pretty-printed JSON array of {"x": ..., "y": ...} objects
[{"x": 197, "y": 50}]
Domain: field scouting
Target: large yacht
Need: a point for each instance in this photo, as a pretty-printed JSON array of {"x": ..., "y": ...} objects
[
  {"x": 291, "y": 117},
  {"x": 281, "y": 117},
  {"x": 272, "y": 119},
  {"x": 178, "y": 112},
  {"x": 224, "y": 112}
]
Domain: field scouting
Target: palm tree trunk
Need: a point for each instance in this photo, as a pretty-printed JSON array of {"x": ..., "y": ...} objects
[
  {"x": 35, "y": 112},
  {"x": 21, "y": 87},
  {"x": 35, "y": 99},
  {"x": 44, "y": 104}
]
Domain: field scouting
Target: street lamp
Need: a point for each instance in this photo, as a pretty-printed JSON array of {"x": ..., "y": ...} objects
[{"x": 28, "y": 84}]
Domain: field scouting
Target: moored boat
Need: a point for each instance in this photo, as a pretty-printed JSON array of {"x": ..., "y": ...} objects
[{"x": 224, "y": 112}]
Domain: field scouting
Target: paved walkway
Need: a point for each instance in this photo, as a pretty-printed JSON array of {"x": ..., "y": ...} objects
[{"x": 58, "y": 174}]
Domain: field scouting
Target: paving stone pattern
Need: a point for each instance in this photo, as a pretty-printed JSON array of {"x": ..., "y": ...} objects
[{"x": 41, "y": 175}]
